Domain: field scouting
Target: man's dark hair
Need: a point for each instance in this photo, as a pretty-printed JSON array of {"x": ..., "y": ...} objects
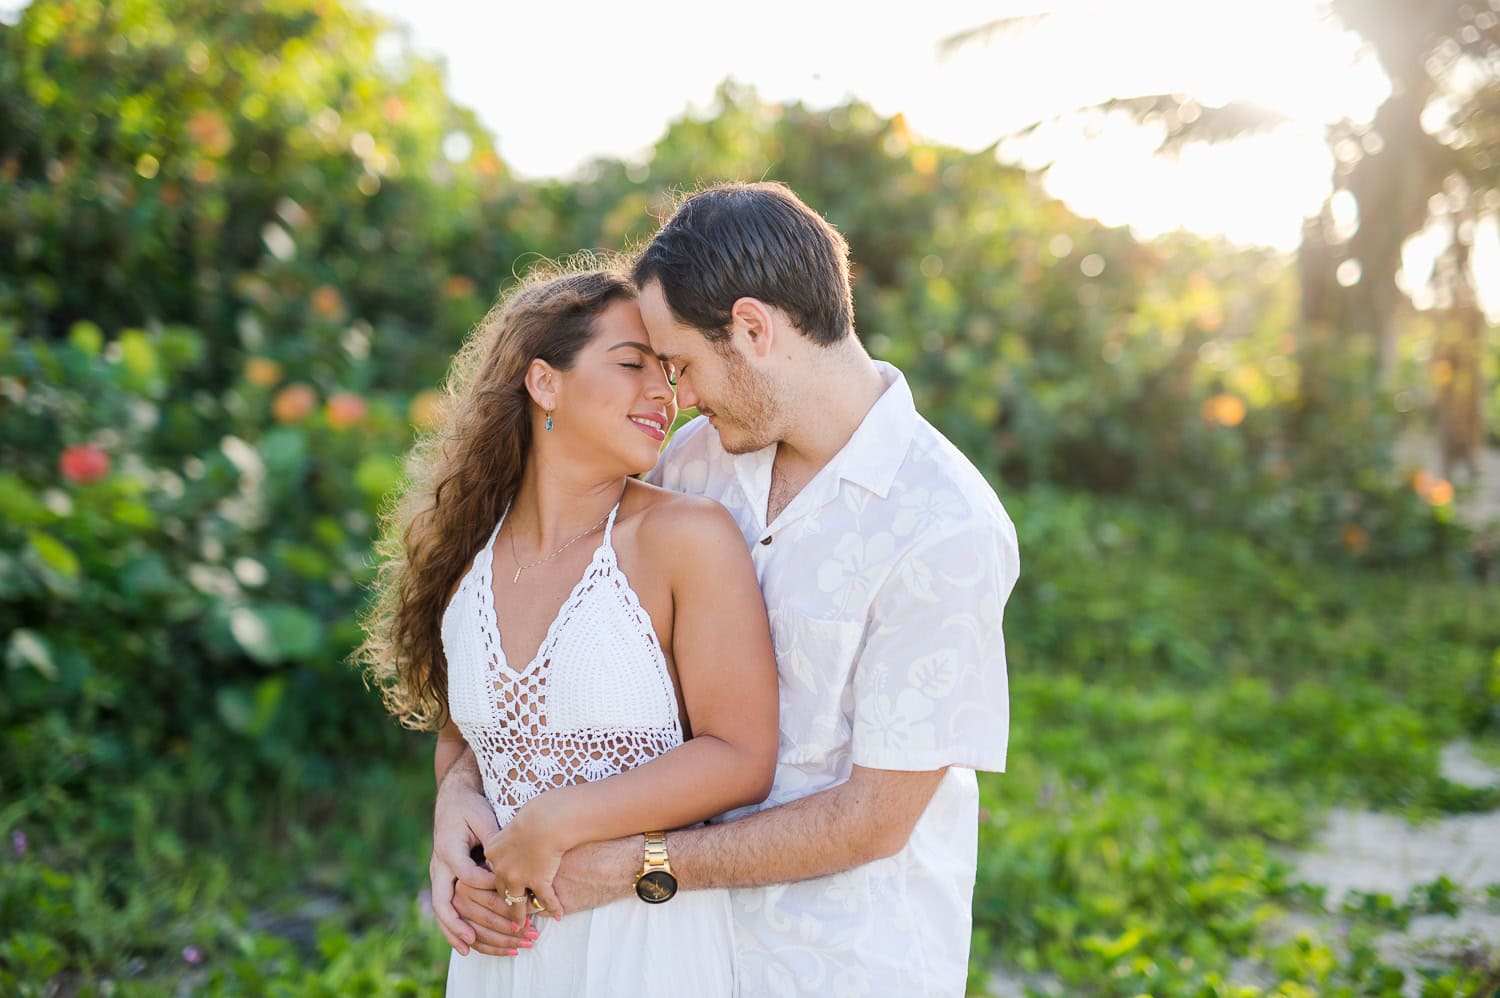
[{"x": 735, "y": 240}]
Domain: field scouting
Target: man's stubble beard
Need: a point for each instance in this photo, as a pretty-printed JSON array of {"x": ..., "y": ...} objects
[{"x": 751, "y": 410}]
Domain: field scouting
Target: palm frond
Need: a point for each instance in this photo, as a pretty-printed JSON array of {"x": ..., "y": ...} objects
[
  {"x": 1186, "y": 121},
  {"x": 988, "y": 31}
]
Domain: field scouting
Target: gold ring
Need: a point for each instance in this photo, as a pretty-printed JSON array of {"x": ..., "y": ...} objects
[
  {"x": 536, "y": 904},
  {"x": 511, "y": 900}
]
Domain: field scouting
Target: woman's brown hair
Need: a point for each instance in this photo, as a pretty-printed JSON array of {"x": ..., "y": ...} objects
[{"x": 460, "y": 476}]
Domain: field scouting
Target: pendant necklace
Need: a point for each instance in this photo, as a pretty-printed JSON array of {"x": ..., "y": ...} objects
[{"x": 542, "y": 561}]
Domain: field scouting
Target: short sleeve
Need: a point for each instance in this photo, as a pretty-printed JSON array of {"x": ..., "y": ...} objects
[{"x": 930, "y": 685}]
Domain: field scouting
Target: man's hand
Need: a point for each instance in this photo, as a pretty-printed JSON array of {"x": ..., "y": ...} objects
[{"x": 462, "y": 819}]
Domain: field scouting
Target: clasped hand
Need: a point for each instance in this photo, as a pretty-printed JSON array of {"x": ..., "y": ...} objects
[{"x": 524, "y": 856}]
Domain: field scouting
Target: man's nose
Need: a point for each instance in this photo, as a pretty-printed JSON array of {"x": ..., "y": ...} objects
[
  {"x": 660, "y": 390},
  {"x": 686, "y": 397}
]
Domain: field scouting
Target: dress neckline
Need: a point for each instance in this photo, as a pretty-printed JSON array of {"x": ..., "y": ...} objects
[{"x": 486, "y": 560}]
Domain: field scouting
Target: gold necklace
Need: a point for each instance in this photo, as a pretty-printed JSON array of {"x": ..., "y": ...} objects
[{"x": 517, "y": 558}]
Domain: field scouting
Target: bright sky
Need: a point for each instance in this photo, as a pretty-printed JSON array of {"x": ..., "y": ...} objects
[
  {"x": 559, "y": 83},
  {"x": 562, "y": 82}
]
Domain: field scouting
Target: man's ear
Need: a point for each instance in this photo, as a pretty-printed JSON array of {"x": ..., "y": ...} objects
[
  {"x": 541, "y": 384},
  {"x": 760, "y": 324}
]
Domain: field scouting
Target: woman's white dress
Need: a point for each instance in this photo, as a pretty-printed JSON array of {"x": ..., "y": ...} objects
[{"x": 595, "y": 700}]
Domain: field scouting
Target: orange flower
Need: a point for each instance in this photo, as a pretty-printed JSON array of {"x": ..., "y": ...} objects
[
  {"x": 294, "y": 403},
  {"x": 1224, "y": 409},
  {"x": 1354, "y": 537},
  {"x": 1440, "y": 493},
  {"x": 458, "y": 286},
  {"x": 345, "y": 409},
  {"x": 426, "y": 409},
  {"x": 262, "y": 372},
  {"x": 327, "y": 302},
  {"x": 208, "y": 130}
]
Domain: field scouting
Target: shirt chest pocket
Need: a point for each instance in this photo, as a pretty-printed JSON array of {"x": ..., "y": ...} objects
[{"x": 814, "y": 664}]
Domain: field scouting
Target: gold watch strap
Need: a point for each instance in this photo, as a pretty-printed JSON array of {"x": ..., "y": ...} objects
[{"x": 656, "y": 853}]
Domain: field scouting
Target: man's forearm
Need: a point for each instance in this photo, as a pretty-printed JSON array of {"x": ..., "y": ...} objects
[
  {"x": 866, "y": 818},
  {"x": 453, "y": 759}
]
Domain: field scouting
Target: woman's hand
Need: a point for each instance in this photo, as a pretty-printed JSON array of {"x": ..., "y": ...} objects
[{"x": 525, "y": 855}]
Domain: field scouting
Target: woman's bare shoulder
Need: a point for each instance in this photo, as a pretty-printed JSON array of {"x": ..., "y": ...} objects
[{"x": 684, "y": 516}]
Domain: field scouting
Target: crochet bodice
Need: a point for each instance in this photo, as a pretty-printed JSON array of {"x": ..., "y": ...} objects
[{"x": 596, "y": 700}]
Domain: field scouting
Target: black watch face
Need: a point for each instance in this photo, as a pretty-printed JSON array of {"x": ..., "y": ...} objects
[{"x": 656, "y": 887}]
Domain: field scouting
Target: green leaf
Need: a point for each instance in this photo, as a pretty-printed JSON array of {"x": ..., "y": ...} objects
[
  {"x": 276, "y": 632},
  {"x": 253, "y": 633},
  {"x": 19, "y": 505},
  {"x": 284, "y": 451},
  {"x": 235, "y": 710},
  {"x": 27, "y": 647},
  {"x": 138, "y": 355},
  {"x": 251, "y": 713},
  {"x": 298, "y": 633},
  {"x": 53, "y": 554},
  {"x": 377, "y": 475},
  {"x": 86, "y": 337}
]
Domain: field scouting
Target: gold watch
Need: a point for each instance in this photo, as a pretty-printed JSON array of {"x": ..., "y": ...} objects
[{"x": 656, "y": 883}]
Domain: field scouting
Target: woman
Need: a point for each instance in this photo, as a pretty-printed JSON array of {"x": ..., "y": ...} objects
[{"x": 572, "y": 624}]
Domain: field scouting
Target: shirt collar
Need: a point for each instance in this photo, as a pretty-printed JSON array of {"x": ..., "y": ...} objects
[
  {"x": 875, "y": 452},
  {"x": 870, "y": 458}
]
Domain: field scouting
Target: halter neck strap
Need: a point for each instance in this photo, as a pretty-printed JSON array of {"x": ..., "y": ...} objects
[{"x": 609, "y": 524}]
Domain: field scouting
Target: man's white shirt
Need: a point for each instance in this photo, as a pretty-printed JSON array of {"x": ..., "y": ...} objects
[{"x": 885, "y": 580}]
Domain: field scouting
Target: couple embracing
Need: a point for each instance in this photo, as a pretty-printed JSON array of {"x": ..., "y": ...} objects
[{"x": 708, "y": 717}]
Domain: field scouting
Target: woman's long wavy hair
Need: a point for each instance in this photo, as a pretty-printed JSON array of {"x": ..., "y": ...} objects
[{"x": 460, "y": 476}]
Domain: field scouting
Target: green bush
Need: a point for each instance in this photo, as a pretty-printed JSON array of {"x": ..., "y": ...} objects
[{"x": 196, "y": 588}]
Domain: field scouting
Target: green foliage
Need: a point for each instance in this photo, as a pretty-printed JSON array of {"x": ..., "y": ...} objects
[
  {"x": 1185, "y": 709},
  {"x": 239, "y": 246},
  {"x": 201, "y": 591}
]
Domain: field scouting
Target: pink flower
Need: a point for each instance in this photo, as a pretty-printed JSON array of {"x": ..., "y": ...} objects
[
  {"x": 192, "y": 955},
  {"x": 83, "y": 464},
  {"x": 18, "y": 842}
]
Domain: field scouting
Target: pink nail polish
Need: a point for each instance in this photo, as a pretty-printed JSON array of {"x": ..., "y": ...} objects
[{"x": 532, "y": 934}]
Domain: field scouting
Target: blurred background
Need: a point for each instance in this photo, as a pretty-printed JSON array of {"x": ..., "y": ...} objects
[{"x": 1208, "y": 290}]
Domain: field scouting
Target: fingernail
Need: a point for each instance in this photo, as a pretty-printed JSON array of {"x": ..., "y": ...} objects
[
  {"x": 525, "y": 945},
  {"x": 532, "y": 934},
  {"x": 557, "y": 918},
  {"x": 515, "y": 927},
  {"x": 512, "y": 952}
]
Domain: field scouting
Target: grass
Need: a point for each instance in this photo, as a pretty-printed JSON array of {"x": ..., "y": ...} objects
[{"x": 1186, "y": 708}]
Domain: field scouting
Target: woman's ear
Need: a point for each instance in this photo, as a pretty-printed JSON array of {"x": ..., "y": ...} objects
[{"x": 541, "y": 384}]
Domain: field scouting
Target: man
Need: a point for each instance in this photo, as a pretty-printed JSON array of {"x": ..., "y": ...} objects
[{"x": 885, "y": 560}]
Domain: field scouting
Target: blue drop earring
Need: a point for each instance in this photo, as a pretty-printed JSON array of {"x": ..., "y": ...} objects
[{"x": 549, "y": 422}]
